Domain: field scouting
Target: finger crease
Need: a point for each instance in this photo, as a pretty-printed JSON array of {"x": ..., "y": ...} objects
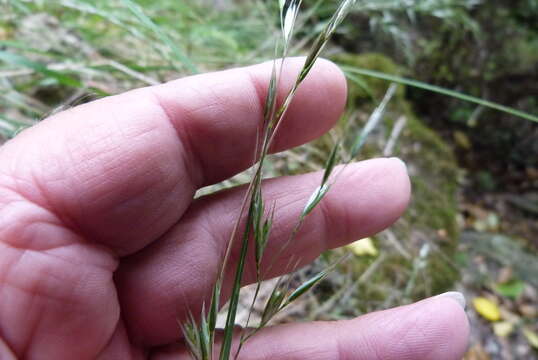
[{"x": 192, "y": 163}]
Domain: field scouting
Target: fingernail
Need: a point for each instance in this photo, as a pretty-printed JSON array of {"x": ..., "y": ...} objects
[
  {"x": 401, "y": 162},
  {"x": 456, "y": 296}
]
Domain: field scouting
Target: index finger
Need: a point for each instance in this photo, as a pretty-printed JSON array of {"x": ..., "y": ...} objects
[{"x": 123, "y": 169}]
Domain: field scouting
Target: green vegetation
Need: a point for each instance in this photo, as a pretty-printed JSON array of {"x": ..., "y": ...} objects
[
  {"x": 434, "y": 175},
  {"x": 64, "y": 52},
  {"x": 463, "y": 118}
]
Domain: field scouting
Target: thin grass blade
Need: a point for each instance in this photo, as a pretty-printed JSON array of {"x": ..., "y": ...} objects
[
  {"x": 19, "y": 5},
  {"x": 87, "y": 8},
  {"x": 179, "y": 55},
  {"x": 441, "y": 90},
  {"x": 374, "y": 119},
  {"x": 361, "y": 84},
  {"x": 9, "y": 128},
  {"x": 19, "y": 60},
  {"x": 315, "y": 198}
]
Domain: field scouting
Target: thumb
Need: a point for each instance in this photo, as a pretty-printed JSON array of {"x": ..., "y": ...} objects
[{"x": 432, "y": 329}]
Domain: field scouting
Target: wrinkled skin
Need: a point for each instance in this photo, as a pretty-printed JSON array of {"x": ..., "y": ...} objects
[{"x": 102, "y": 247}]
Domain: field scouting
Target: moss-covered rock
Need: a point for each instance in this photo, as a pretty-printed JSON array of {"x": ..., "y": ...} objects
[{"x": 420, "y": 247}]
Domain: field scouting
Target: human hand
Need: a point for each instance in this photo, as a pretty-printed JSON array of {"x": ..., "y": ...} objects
[{"x": 103, "y": 249}]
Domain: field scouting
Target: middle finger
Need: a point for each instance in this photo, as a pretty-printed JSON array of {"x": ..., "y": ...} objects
[{"x": 173, "y": 276}]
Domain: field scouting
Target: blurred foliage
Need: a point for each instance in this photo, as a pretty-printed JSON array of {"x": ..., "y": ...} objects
[
  {"x": 60, "y": 53},
  {"x": 473, "y": 46},
  {"x": 55, "y": 54},
  {"x": 429, "y": 225}
]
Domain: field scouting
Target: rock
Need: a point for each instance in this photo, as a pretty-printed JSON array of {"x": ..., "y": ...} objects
[{"x": 506, "y": 252}]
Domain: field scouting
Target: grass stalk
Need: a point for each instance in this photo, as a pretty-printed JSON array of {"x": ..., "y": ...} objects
[
  {"x": 442, "y": 91},
  {"x": 255, "y": 227},
  {"x": 258, "y": 225}
]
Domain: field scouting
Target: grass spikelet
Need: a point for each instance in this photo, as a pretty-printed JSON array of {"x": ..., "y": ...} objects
[
  {"x": 307, "y": 285},
  {"x": 316, "y": 49},
  {"x": 192, "y": 337},
  {"x": 273, "y": 305},
  {"x": 324, "y": 187},
  {"x": 331, "y": 162},
  {"x": 258, "y": 224},
  {"x": 310, "y": 283},
  {"x": 315, "y": 198},
  {"x": 263, "y": 232},
  {"x": 198, "y": 337},
  {"x": 289, "y": 9},
  {"x": 205, "y": 337}
]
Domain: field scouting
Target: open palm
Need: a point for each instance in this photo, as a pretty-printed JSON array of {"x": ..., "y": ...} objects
[{"x": 103, "y": 249}]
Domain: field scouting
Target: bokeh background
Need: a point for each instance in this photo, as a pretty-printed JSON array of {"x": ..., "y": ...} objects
[{"x": 473, "y": 223}]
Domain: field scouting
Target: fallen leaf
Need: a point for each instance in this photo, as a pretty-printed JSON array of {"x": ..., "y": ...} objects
[
  {"x": 363, "y": 247},
  {"x": 532, "y": 337},
  {"x": 503, "y": 328},
  {"x": 487, "y": 308},
  {"x": 511, "y": 289}
]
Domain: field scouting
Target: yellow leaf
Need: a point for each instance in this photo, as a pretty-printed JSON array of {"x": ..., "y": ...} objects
[
  {"x": 363, "y": 247},
  {"x": 462, "y": 140},
  {"x": 487, "y": 308},
  {"x": 532, "y": 337},
  {"x": 503, "y": 328}
]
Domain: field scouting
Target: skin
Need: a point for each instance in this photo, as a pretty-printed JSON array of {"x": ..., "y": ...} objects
[{"x": 102, "y": 247}]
